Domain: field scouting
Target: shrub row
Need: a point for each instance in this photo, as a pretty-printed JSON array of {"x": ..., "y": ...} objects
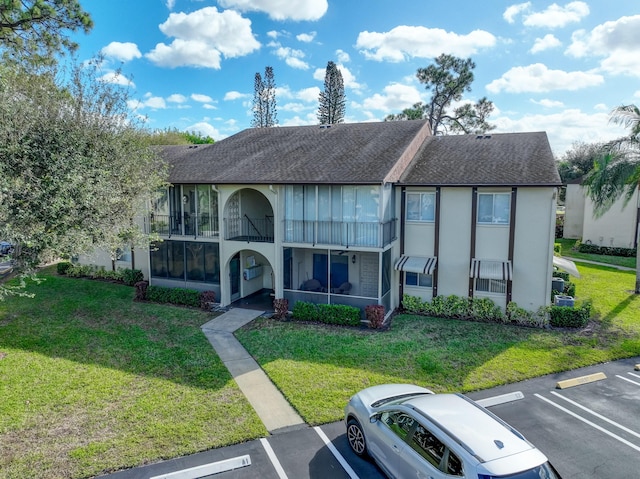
[
  {"x": 340, "y": 314},
  {"x": 123, "y": 275},
  {"x": 594, "y": 249},
  {"x": 484, "y": 309},
  {"x": 567, "y": 317}
]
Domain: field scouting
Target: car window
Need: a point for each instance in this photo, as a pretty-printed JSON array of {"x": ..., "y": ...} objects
[
  {"x": 398, "y": 422},
  {"x": 454, "y": 466},
  {"x": 427, "y": 445}
]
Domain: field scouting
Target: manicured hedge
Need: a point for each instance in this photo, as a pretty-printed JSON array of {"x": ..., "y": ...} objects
[
  {"x": 568, "y": 317},
  {"x": 593, "y": 249},
  {"x": 326, "y": 313},
  {"x": 179, "y": 296}
]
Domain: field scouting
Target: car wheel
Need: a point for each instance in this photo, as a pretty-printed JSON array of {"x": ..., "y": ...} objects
[{"x": 355, "y": 436}]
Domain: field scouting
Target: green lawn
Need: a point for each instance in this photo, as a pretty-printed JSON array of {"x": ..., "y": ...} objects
[
  {"x": 567, "y": 250},
  {"x": 91, "y": 381},
  {"x": 319, "y": 367}
]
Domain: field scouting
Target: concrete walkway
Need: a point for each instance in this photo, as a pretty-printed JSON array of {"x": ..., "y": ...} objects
[
  {"x": 269, "y": 403},
  {"x": 577, "y": 260}
]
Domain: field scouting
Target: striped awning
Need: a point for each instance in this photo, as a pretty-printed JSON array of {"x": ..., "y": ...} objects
[
  {"x": 416, "y": 264},
  {"x": 567, "y": 265},
  {"x": 491, "y": 269}
]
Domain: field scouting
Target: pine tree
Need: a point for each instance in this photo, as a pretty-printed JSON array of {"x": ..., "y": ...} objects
[
  {"x": 264, "y": 100},
  {"x": 331, "y": 107}
]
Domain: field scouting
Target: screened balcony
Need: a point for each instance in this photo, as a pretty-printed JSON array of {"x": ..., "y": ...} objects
[{"x": 340, "y": 233}]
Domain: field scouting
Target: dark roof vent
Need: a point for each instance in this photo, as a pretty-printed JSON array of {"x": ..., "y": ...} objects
[
  {"x": 483, "y": 137},
  {"x": 325, "y": 127}
]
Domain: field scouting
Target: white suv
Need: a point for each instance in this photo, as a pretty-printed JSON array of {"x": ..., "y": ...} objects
[{"x": 411, "y": 432}]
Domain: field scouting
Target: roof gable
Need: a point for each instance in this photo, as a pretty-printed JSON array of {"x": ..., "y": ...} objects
[
  {"x": 499, "y": 159},
  {"x": 354, "y": 153}
]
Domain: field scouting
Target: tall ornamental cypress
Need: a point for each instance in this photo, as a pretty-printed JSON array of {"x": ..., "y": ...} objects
[{"x": 332, "y": 101}]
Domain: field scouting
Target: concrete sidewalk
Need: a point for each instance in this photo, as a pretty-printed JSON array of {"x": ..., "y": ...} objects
[{"x": 273, "y": 409}]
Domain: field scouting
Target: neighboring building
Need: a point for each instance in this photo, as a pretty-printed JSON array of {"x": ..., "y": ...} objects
[
  {"x": 359, "y": 214},
  {"x": 617, "y": 228}
]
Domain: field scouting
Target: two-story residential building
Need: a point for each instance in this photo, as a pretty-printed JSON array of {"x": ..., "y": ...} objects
[{"x": 358, "y": 214}]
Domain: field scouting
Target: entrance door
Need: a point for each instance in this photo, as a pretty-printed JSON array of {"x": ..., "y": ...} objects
[{"x": 234, "y": 277}]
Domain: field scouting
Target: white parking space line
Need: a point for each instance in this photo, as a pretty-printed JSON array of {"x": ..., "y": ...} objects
[
  {"x": 628, "y": 380},
  {"x": 273, "y": 458},
  {"x": 208, "y": 469},
  {"x": 586, "y": 421},
  {"x": 634, "y": 375},
  {"x": 599, "y": 416},
  {"x": 345, "y": 465}
]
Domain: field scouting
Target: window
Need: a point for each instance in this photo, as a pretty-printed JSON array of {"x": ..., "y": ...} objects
[
  {"x": 427, "y": 445},
  {"x": 421, "y": 207},
  {"x": 418, "y": 279},
  {"x": 398, "y": 422},
  {"x": 494, "y": 208},
  {"x": 192, "y": 261},
  {"x": 491, "y": 285}
]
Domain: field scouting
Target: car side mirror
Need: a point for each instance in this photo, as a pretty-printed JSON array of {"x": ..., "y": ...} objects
[{"x": 374, "y": 418}]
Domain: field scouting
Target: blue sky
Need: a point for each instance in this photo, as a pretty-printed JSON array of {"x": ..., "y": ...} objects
[{"x": 190, "y": 64}]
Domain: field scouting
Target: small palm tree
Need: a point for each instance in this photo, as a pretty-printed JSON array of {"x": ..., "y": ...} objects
[{"x": 617, "y": 172}]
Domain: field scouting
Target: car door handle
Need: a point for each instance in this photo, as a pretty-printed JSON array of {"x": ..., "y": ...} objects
[{"x": 396, "y": 448}]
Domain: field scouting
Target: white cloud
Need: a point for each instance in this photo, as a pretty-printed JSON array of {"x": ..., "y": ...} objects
[
  {"x": 201, "y": 98},
  {"x": 116, "y": 79},
  {"x": 273, "y": 34},
  {"x": 511, "y": 12},
  {"x": 176, "y": 98},
  {"x": 150, "y": 101},
  {"x": 309, "y": 119},
  {"x": 203, "y": 37},
  {"x": 205, "y": 129},
  {"x": 636, "y": 94},
  {"x": 538, "y": 78},
  {"x": 306, "y": 37},
  {"x": 545, "y": 102},
  {"x": 601, "y": 107},
  {"x": 123, "y": 52},
  {"x": 556, "y": 16},
  {"x": 393, "y": 99},
  {"x": 342, "y": 56},
  {"x": 563, "y": 128},
  {"x": 616, "y": 41},
  {"x": 235, "y": 95},
  {"x": 420, "y": 42},
  {"x": 209, "y": 106},
  {"x": 281, "y": 9},
  {"x": 348, "y": 78},
  {"x": 306, "y": 94},
  {"x": 170, "y": 4},
  {"x": 545, "y": 43},
  {"x": 292, "y": 57}
]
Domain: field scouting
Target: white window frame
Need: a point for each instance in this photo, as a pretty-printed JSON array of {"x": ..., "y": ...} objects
[
  {"x": 494, "y": 220},
  {"x": 422, "y": 280},
  {"x": 424, "y": 197},
  {"x": 491, "y": 286}
]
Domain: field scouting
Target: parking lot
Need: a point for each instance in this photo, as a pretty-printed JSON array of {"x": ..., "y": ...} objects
[{"x": 588, "y": 430}]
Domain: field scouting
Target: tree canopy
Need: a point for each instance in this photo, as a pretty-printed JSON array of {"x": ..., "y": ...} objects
[
  {"x": 332, "y": 101},
  {"x": 75, "y": 169},
  {"x": 34, "y": 31},
  {"x": 264, "y": 100},
  {"x": 448, "y": 79},
  {"x": 173, "y": 136}
]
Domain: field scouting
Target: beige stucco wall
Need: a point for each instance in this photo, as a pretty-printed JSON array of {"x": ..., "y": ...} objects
[
  {"x": 533, "y": 250},
  {"x": 616, "y": 228},
  {"x": 573, "y": 212},
  {"x": 455, "y": 240}
]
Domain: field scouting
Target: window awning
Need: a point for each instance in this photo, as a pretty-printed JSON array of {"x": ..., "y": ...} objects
[
  {"x": 491, "y": 269},
  {"x": 567, "y": 265},
  {"x": 416, "y": 264}
]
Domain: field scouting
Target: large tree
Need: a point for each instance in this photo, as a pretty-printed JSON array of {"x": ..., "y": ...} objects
[
  {"x": 332, "y": 101},
  {"x": 34, "y": 31},
  {"x": 616, "y": 173},
  {"x": 75, "y": 169},
  {"x": 264, "y": 100},
  {"x": 578, "y": 160},
  {"x": 448, "y": 79}
]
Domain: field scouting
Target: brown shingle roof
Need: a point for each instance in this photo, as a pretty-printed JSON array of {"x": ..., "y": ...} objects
[
  {"x": 348, "y": 153},
  {"x": 513, "y": 159}
]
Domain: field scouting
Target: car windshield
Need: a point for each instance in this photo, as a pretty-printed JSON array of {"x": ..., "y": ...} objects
[
  {"x": 544, "y": 471},
  {"x": 397, "y": 399}
]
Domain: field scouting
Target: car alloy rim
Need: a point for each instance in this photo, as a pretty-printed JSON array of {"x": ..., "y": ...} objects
[{"x": 356, "y": 439}]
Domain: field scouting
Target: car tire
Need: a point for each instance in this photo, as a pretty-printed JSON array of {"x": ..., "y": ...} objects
[{"x": 356, "y": 439}]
